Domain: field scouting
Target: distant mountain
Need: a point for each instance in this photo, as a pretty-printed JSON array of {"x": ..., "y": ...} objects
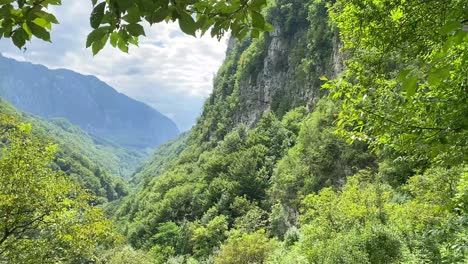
[
  {"x": 117, "y": 160},
  {"x": 94, "y": 166},
  {"x": 85, "y": 101}
]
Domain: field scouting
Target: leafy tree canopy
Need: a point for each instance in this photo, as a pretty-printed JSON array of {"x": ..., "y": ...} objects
[
  {"x": 120, "y": 22},
  {"x": 44, "y": 216},
  {"x": 405, "y": 83}
]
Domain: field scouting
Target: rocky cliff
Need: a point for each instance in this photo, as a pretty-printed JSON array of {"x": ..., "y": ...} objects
[
  {"x": 276, "y": 72},
  {"x": 286, "y": 74}
]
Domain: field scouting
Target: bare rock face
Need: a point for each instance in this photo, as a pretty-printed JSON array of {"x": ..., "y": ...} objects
[{"x": 286, "y": 76}]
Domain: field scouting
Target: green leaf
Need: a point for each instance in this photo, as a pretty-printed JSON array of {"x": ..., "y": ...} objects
[
  {"x": 254, "y": 33},
  {"x": 39, "y": 32},
  {"x": 450, "y": 27},
  {"x": 133, "y": 41},
  {"x": 99, "y": 44},
  {"x": 135, "y": 30},
  {"x": 96, "y": 35},
  {"x": 47, "y": 16},
  {"x": 435, "y": 77},
  {"x": 269, "y": 27},
  {"x": 27, "y": 30},
  {"x": 123, "y": 45},
  {"x": 257, "y": 20},
  {"x": 202, "y": 21},
  {"x": 396, "y": 14},
  {"x": 97, "y": 15},
  {"x": 42, "y": 23},
  {"x": 258, "y": 4},
  {"x": 114, "y": 37},
  {"x": 403, "y": 74},
  {"x": 133, "y": 15},
  {"x": 410, "y": 85},
  {"x": 124, "y": 4},
  {"x": 19, "y": 38},
  {"x": 159, "y": 15},
  {"x": 187, "y": 24}
]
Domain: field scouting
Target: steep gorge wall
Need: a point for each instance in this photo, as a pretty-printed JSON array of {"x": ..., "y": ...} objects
[{"x": 277, "y": 72}]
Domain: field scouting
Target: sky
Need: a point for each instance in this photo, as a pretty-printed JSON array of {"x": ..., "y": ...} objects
[{"x": 170, "y": 71}]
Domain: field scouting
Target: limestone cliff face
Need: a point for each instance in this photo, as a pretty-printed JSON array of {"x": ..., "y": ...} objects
[
  {"x": 287, "y": 73},
  {"x": 277, "y": 72}
]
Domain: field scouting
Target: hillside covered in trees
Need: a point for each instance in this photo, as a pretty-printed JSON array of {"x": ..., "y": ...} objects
[
  {"x": 340, "y": 136},
  {"x": 323, "y": 142},
  {"x": 85, "y": 101}
]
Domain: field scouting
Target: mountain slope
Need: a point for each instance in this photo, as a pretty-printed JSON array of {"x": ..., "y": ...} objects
[
  {"x": 115, "y": 159},
  {"x": 262, "y": 97},
  {"x": 264, "y": 178},
  {"x": 85, "y": 101},
  {"x": 78, "y": 156}
]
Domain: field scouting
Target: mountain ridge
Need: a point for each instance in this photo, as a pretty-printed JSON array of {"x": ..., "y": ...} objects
[{"x": 85, "y": 101}]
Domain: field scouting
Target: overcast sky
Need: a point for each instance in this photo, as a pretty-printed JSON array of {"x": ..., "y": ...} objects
[{"x": 169, "y": 71}]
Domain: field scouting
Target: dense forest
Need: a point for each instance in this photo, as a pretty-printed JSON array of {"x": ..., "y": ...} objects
[{"x": 338, "y": 136}]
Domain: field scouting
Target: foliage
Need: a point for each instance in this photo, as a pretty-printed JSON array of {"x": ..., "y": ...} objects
[
  {"x": 163, "y": 157},
  {"x": 45, "y": 217},
  {"x": 76, "y": 155},
  {"x": 319, "y": 159},
  {"x": 285, "y": 187},
  {"x": 369, "y": 222},
  {"x": 405, "y": 83},
  {"x": 119, "y": 22},
  {"x": 246, "y": 248},
  {"x": 200, "y": 201},
  {"x": 124, "y": 255}
]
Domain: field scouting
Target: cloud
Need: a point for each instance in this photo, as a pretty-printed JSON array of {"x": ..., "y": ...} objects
[{"x": 169, "y": 70}]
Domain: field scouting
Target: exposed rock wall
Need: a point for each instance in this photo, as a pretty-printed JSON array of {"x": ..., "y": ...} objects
[
  {"x": 277, "y": 72},
  {"x": 287, "y": 74}
]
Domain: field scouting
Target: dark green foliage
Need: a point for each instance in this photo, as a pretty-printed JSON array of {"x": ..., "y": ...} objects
[
  {"x": 120, "y": 21},
  {"x": 319, "y": 159},
  {"x": 405, "y": 86},
  {"x": 197, "y": 194},
  {"x": 162, "y": 158}
]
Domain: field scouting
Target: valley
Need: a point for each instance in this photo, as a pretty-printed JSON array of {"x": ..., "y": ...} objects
[{"x": 335, "y": 132}]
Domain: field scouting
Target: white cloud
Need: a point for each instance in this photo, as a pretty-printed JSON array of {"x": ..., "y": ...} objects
[{"x": 169, "y": 70}]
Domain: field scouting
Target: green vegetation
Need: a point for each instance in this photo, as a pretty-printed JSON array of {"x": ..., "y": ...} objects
[
  {"x": 117, "y": 160},
  {"x": 45, "y": 217},
  {"x": 292, "y": 190},
  {"x": 119, "y": 22},
  {"x": 162, "y": 158},
  {"x": 405, "y": 86},
  {"x": 374, "y": 172},
  {"x": 77, "y": 155}
]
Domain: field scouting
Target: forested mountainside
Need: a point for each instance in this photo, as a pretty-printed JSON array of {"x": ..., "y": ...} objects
[
  {"x": 278, "y": 170},
  {"x": 339, "y": 137},
  {"x": 160, "y": 161},
  {"x": 117, "y": 160},
  {"x": 88, "y": 164},
  {"x": 85, "y": 101}
]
